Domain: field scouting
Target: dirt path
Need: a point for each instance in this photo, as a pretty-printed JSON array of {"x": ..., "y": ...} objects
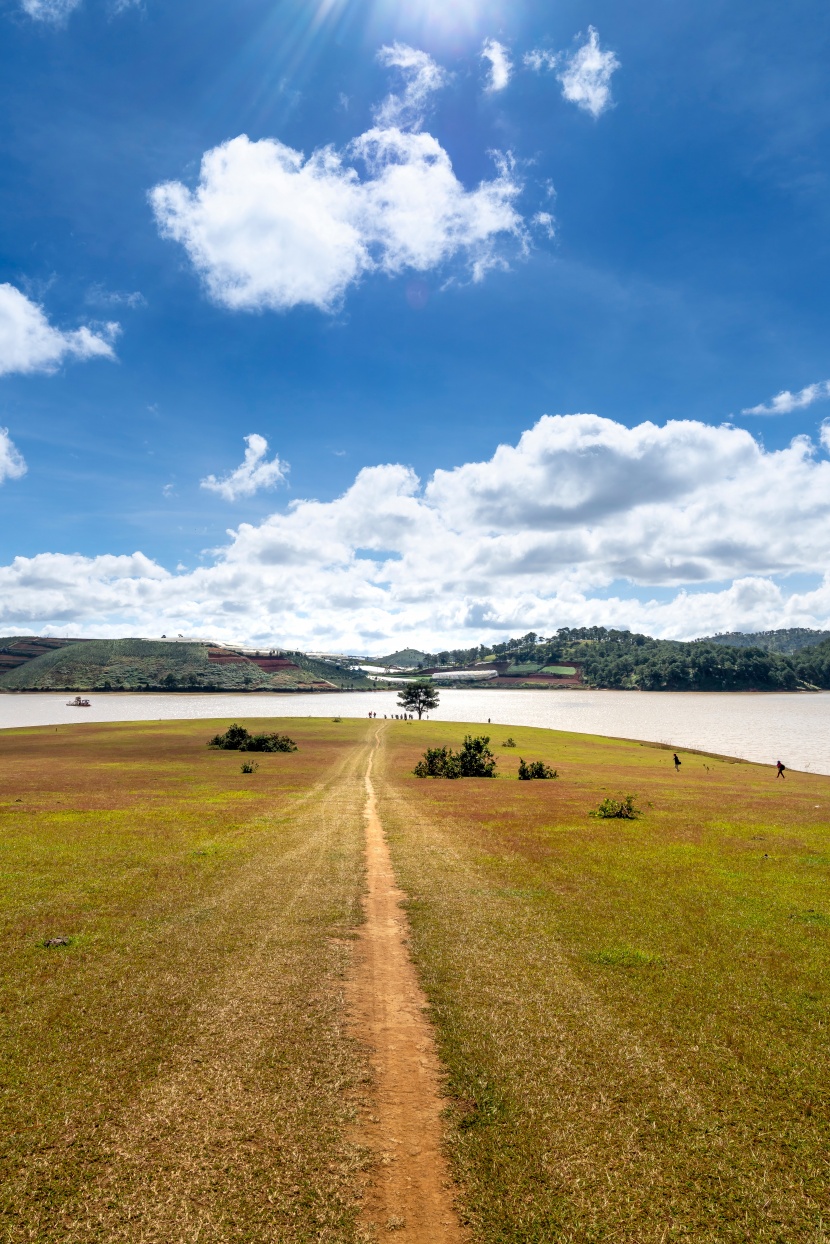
[{"x": 409, "y": 1188}]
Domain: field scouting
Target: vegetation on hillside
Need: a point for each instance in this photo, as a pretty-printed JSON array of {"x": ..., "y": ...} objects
[
  {"x": 153, "y": 665},
  {"x": 787, "y": 641},
  {"x": 627, "y": 660},
  {"x": 779, "y": 661}
]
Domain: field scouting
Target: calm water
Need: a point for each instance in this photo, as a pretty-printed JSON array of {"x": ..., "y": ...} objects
[{"x": 795, "y": 728}]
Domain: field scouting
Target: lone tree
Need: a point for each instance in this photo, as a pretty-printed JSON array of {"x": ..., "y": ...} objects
[{"x": 418, "y": 697}]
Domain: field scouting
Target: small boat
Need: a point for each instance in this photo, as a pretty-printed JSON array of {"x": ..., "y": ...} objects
[{"x": 78, "y": 702}]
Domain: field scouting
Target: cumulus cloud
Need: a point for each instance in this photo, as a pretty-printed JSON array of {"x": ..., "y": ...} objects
[
  {"x": 253, "y": 474},
  {"x": 12, "y": 465},
  {"x": 785, "y": 401},
  {"x": 585, "y": 76},
  {"x": 501, "y": 66},
  {"x": 49, "y": 10},
  {"x": 28, "y": 342},
  {"x": 683, "y": 528},
  {"x": 268, "y": 227},
  {"x": 422, "y": 77}
]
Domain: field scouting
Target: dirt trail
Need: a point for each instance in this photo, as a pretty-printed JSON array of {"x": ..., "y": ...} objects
[{"x": 409, "y": 1189}]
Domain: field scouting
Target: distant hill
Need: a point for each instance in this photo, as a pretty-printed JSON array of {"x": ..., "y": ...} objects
[
  {"x": 784, "y": 641},
  {"x": 630, "y": 661},
  {"x": 153, "y": 665},
  {"x": 407, "y": 657}
]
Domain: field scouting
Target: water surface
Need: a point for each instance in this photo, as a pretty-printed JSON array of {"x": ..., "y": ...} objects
[{"x": 763, "y": 727}]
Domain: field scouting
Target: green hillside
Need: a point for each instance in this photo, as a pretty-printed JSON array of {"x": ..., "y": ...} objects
[
  {"x": 408, "y": 657},
  {"x": 629, "y": 661},
  {"x": 787, "y": 642},
  {"x": 150, "y": 665}
]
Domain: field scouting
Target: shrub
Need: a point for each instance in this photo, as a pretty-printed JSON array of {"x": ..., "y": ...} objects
[
  {"x": 509, "y": 742},
  {"x": 619, "y": 809},
  {"x": 238, "y": 739},
  {"x": 536, "y": 769},
  {"x": 249, "y": 766},
  {"x": 474, "y": 759},
  {"x": 437, "y": 762}
]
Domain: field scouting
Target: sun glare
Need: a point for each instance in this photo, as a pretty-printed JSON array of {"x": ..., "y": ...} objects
[{"x": 435, "y": 21}]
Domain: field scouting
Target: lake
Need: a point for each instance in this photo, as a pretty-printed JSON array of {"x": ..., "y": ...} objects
[{"x": 763, "y": 727}]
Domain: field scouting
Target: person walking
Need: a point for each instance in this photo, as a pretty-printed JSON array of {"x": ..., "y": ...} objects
[
  {"x": 779, "y": 770},
  {"x": 676, "y": 763}
]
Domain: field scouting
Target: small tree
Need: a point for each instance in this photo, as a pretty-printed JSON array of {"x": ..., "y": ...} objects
[
  {"x": 418, "y": 697},
  {"x": 474, "y": 759}
]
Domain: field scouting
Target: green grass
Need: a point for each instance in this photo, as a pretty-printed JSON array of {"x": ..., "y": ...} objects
[
  {"x": 633, "y": 1015},
  {"x": 179, "y": 1071}
]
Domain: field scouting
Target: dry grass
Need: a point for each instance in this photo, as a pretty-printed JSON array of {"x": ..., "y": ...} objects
[
  {"x": 180, "y": 1070},
  {"x": 633, "y": 1015}
]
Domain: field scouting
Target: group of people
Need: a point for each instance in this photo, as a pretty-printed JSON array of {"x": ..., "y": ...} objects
[{"x": 397, "y": 716}]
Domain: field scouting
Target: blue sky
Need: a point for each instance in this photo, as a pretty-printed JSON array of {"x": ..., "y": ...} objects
[{"x": 618, "y": 211}]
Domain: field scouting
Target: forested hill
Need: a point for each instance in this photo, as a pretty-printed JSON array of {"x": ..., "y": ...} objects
[
  {"x": 785, "y": 641},
  {"x": 623, "y": 659}
]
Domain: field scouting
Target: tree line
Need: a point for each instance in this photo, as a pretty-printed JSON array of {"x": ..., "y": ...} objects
[{"x": 625, "y": 659}]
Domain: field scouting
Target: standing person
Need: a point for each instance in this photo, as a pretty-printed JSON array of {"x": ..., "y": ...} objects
[
  {"x": 779, "y": 769},
  {"x": 676, "y": 763}
]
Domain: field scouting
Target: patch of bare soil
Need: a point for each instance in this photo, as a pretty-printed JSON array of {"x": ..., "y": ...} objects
[{"x": 408, "y": 1188}]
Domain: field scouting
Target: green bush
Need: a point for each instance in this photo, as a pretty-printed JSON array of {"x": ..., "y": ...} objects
[
  {"x": 509, "y": 742},
  {"x": 474, "y": 759},
  {"x": 617, "y": 809},
  {"x": 238, "y": 739},
  {"x": 536, "y": 769},
  {"x": 249, "y": 766}
]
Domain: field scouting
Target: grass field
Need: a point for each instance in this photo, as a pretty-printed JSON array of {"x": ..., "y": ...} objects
[
  {"x": 180, "y": 1070},
  {"x": 633, "y": 1016}
]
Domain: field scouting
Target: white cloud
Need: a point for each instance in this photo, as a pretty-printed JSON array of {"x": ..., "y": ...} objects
[
  {"x": 545, "y": 222},
  {"x": 12, "y": 465},
  {"x": 422, "y": 78},
  {"x": 253, "y": 474},
  {"x": 268, "y": 228},
  {"x": 703, "y": 522},
  {"x": 585, "y": 76},
  {"x": 539, "y": 59},
  {"x": 98, "y": 295},
  {"x": 501, "y": 66},
  {"x": 785, "y": 401},
  {"x": 49, "y": 10},
  {"x": 28, "y": 342}
]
